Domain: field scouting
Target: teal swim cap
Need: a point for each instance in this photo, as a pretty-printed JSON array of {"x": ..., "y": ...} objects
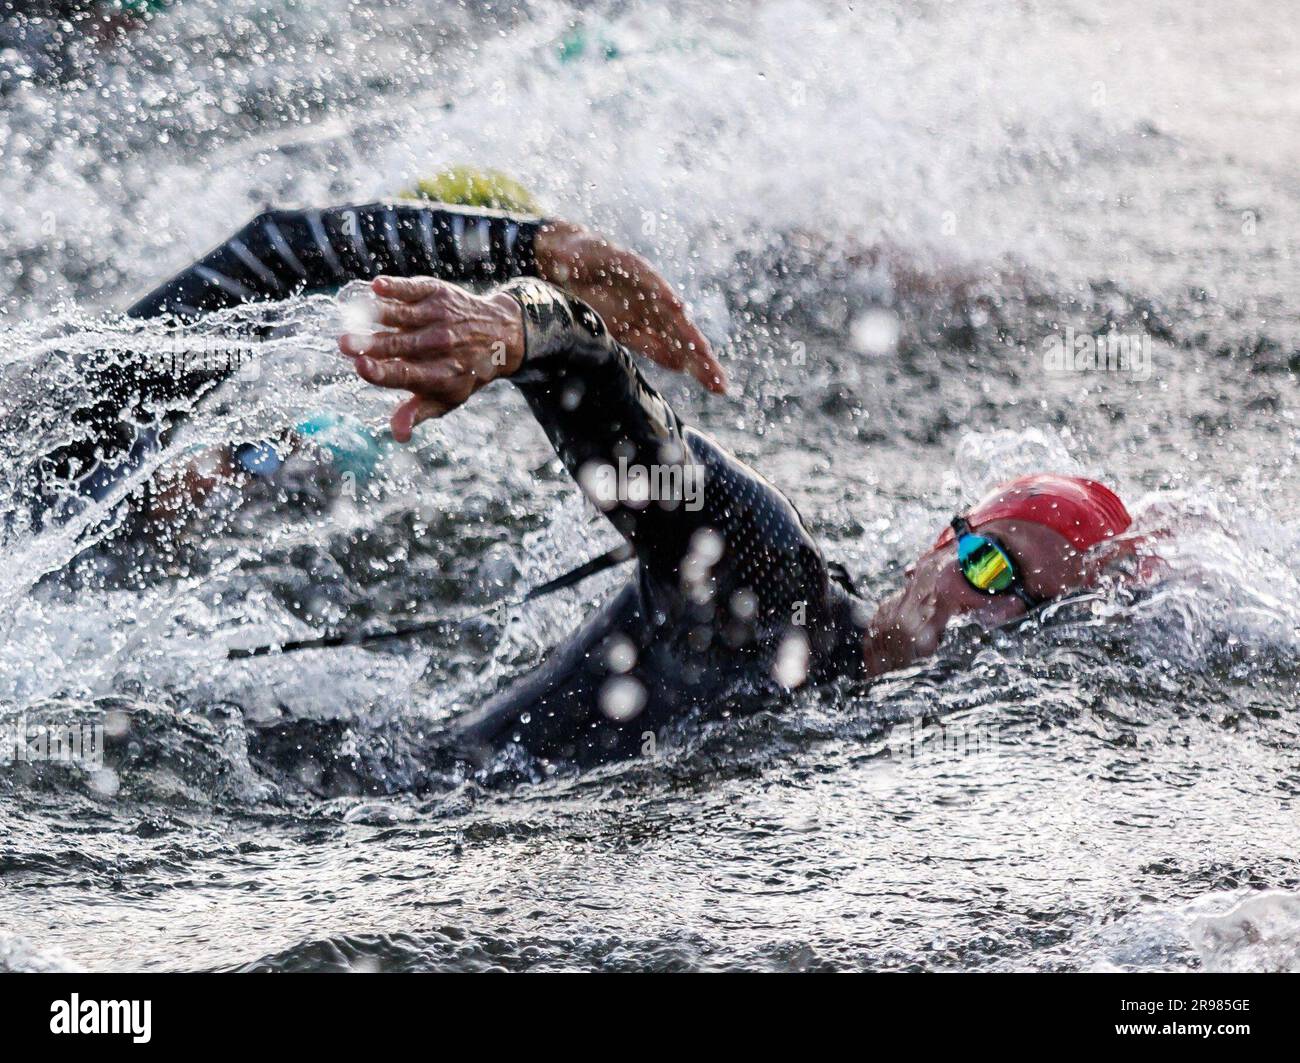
[{"x": 352, "y": 446}]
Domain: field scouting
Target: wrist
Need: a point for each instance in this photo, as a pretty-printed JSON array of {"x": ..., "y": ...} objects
[{"x": 508, "y": 348}]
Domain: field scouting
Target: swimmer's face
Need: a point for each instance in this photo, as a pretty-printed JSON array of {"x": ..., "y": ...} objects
[{"x": 910, "y": 623}]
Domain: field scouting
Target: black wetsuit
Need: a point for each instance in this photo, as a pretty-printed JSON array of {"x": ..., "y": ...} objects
[
  {"x": 286, "y": 252},
  {"x": 731, "y": 596}
]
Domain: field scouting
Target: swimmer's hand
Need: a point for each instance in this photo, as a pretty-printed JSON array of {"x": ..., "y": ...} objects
[
  {"x": 637, "y": 305},
  {"x": 446, "y": 343}
]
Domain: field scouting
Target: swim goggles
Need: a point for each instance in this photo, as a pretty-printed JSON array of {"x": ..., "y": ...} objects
[{"x": 987, "y": 564}]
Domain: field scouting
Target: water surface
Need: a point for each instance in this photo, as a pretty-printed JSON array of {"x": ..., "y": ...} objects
[{"x": 880, "y": 216}]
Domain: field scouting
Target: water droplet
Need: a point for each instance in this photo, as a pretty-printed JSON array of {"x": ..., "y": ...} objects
[{"x": 621, "y": 698}]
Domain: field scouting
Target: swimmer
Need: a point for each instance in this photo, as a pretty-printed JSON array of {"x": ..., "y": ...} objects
[
  {"x": 330, "y": 450},
  {"x": 732, "y": 598}
]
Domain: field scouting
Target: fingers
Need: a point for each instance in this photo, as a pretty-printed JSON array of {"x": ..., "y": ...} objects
[
  {"x": 407, "y": 289},
  {"x": 412, "y": 412},
  {"x": 439, "y": 390},
  {"x": 677, "y": 344},
  {"x": 699, "y": 356},
  {"x": 397, "y": 314},
  {"x": 404, "y": 376},
  {"x": 669, "y": 351},
  {"x": 427, "y": 342},
  {"x": 708, "y": 371},
  {"x": 680, "y": 343}
]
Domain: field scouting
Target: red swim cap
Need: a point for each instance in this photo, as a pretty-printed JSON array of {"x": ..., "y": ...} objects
[{"x": 1083, "y": 511}]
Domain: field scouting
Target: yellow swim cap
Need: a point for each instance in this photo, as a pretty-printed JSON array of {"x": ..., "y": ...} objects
[{"x": 468, "y": 186}]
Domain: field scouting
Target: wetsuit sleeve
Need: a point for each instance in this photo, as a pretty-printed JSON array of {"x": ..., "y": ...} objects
[
  {"x": 281, "y": 253},
  {"x": 706, "y": 528}
]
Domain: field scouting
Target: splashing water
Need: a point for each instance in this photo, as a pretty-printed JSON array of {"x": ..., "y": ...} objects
[{"x": 883, "y": 222}]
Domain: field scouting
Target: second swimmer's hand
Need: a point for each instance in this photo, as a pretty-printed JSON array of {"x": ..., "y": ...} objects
[
  {"x": 446, "y": 343},
  {"x": 638, "y": 306}
]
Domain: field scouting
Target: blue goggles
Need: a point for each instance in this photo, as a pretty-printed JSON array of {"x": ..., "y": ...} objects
[{"x": 987, "y": 565}]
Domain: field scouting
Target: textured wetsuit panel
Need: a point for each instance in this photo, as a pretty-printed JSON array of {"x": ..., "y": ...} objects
[
  {"x": 724, "y": 575},
  {"x": 284, "y": 252}
]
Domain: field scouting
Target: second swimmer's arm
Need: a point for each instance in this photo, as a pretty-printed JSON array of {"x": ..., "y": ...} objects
[{"x": 286, "y": 252}]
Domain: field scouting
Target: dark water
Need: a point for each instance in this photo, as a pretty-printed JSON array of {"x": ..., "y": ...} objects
[{"x": 880, "y": 216}]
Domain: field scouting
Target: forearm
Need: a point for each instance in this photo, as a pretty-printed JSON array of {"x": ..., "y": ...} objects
[
  {"x": 616, "y": 434},
  {"x": 703, "y": 523},
  {"x": 700, "y": 520}
]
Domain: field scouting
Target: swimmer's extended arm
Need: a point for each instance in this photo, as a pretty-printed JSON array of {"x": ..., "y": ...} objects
[
  {"x": 281, "y": 253},
  {"x": 286, "y": 252},
  {"x": 614, "y": 432},
  {"x": 278, "y": 254}
]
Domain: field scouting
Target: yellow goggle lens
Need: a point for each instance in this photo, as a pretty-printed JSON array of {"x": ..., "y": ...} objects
[{"x": 985, "y": 567}]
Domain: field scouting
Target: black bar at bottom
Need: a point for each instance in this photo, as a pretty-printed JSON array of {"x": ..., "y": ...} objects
[{"x": 506, "y": 1015}]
